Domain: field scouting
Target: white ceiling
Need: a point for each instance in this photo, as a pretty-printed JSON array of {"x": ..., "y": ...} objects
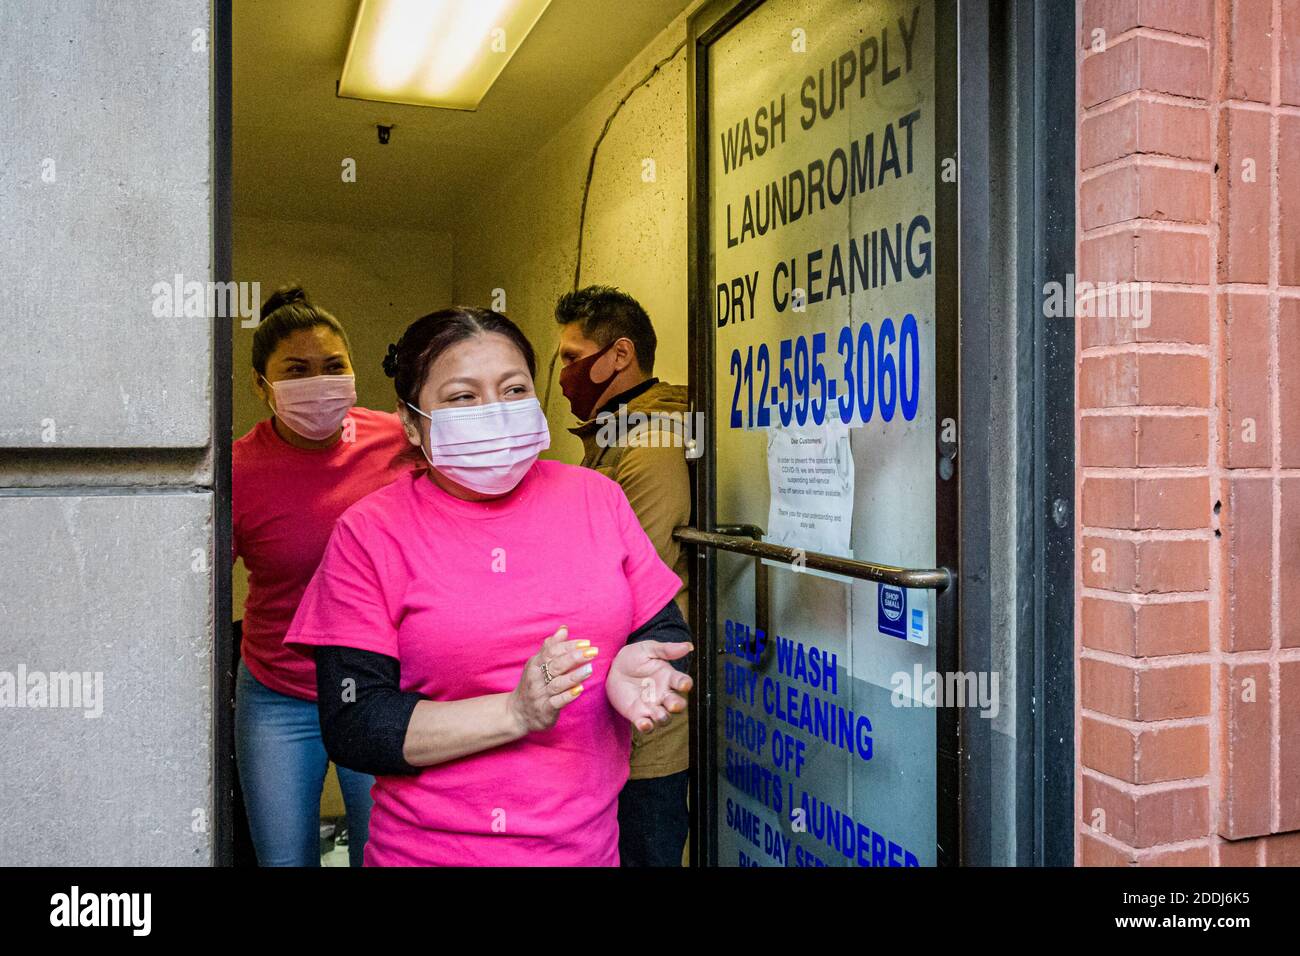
[{"x": 291, "y": 133}]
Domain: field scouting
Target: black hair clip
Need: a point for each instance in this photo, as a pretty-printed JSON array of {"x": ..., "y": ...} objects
[{"x": 390, "y": 362}]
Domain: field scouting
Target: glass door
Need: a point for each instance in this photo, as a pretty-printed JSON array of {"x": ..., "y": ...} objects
[{"x": 826, "y": 216}]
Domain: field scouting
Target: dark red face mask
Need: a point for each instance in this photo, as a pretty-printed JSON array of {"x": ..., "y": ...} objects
[{"x": 579, "y": 389}]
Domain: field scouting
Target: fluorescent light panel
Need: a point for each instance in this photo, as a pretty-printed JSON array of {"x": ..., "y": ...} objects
[{"x": 444, "y": 53}]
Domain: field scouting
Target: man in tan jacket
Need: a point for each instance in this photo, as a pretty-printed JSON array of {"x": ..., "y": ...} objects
[{"x": 631, "y": 426}]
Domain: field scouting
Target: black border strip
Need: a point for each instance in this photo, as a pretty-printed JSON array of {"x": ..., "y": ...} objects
[
  {"x": 1017, "y": 93},
  {"x": 947, "y": 340},
  {"x": 975, "y": 463},
  {"x": 223, "y": 678},
  {"x": 1054, "y": 259},
  {"x": 703, "y": 29}
]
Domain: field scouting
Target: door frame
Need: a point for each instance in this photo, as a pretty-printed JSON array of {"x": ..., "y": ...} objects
[
  {"x": 1017, "y": 63},
  {"x": 223, "y": 649},
  {"x": 996, "y": 38}
]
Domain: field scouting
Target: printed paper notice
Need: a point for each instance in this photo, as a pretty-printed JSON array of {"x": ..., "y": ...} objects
[{"x": 810, "y": 475}]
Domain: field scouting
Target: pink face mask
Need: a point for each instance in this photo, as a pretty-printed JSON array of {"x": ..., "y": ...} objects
[
  {"x": 314, "y": 407},
  {"x": 487, "y": 448}
]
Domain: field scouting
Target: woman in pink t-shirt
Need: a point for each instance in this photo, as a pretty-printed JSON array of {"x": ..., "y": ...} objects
[
  {"x": 487, "y": 631},
  {"x": 293, "y": 474}
]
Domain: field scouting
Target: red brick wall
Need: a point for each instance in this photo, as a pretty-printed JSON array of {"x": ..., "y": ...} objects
[{"x": 1188, "y": 571}]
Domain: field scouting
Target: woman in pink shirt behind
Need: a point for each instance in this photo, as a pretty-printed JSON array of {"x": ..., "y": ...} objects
[
  {"x": 293, "y": 474},
  {"x": 487, "y": 631}
]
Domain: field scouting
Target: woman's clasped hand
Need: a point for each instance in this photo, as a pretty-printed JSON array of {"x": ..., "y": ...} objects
[
  {"x": 551, "y": 679},
  {"x": 642, "y": 685}
]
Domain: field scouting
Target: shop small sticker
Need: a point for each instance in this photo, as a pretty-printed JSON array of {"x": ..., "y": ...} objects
[{"x": 892, "y": 611}]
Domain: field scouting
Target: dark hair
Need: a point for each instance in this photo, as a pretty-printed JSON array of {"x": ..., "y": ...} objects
[
  {"x": 285, "y": 312},
  {"x": 408, "y": 362},
  {"x": 607, "y": 314}
]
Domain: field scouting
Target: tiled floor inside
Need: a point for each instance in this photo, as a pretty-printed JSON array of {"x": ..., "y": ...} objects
[{"x": 333, "y": 842}]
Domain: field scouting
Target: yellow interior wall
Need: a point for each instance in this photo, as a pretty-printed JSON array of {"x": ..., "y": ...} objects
[
  {"x": 374, "y": 281},
  {"x": 521, "y": 235}
]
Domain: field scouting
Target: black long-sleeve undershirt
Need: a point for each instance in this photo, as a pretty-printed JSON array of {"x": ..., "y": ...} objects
[{"x": 364, "y": 713}]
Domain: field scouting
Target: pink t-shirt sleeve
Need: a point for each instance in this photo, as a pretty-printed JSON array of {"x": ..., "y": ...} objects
[
  {"x": 653, "y": 583},
  {"x": 345, "y": 605}
]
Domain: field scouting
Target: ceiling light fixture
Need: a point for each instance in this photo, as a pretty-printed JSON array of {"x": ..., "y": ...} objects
[{"x": 443, "y": 53}]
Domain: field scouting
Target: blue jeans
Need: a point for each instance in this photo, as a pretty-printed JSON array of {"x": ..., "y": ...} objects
[
  {"x": 282, "y": 764},
  {"x": 653, "y": 820}
]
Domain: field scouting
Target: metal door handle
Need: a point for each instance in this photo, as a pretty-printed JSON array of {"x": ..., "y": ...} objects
[{"x": 745, "y": 539}]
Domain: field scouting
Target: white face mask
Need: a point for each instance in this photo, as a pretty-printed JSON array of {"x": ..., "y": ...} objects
[
  {"x": 314, "y": 407},
  {"x": 486, "y": 448}
]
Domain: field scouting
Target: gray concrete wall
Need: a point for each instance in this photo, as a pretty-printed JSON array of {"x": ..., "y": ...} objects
[{"x": 106, "y": 506}]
